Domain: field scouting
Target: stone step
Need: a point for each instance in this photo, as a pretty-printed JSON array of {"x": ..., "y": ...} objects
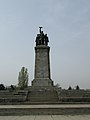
[
  {"x": 13, "y": 96},
  {"x": 43, "y": 99},
  {"x": 42, "y": 96},
  {"x": 20, "y": 110}
]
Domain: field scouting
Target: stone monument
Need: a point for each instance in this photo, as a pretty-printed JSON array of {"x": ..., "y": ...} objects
[{"x": 42, "y": 75}]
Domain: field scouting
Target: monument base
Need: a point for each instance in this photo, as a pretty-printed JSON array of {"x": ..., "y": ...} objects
[{"x": 42, "y": 82}]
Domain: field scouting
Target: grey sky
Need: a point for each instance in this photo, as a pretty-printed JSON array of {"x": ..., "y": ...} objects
[{"x": 67, "y": 23}]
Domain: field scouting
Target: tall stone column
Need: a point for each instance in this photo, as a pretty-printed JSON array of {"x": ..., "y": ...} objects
[{"x": 42, "y": 75}]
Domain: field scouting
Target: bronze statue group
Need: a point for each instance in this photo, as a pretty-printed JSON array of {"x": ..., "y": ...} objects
[{"x": 41, "y": 39}]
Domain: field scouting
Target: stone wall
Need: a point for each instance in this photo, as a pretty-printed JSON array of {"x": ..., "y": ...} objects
[{"x": 74, "y": 95}]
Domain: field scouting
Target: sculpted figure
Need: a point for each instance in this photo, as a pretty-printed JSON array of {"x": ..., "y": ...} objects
[
  {"x": 37, "y": 39},
  {"x": 46, "y": 39},
  {"x": 42, "y": 38},
  {"x": 40, "y": 29}
]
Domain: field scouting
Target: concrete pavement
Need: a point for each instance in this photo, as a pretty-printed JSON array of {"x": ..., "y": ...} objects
[{"x": 47, "y": 117}]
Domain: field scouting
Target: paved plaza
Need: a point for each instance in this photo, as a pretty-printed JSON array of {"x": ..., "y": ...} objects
[{"x": 47, "y": 117}]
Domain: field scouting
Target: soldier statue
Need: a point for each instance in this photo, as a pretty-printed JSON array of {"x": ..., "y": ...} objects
[{"x": 46, "y": 39}]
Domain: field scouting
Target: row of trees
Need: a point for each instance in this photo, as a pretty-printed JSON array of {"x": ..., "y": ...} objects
[
  {"x": 77, "y": 88},
  {"x": 3, "y": 87},
  {"x": 22, "y": 80}
]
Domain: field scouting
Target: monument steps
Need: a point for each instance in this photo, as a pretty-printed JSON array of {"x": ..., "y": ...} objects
[
  {"x": 42, "y": 96},
  {"x": 7, "y": 96}
]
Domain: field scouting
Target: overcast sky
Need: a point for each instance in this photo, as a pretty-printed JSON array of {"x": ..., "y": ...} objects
[{"x": 67, "y": 23}]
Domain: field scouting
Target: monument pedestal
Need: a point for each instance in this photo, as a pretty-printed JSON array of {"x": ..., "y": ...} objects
[
  {"x": 42, "y": 67},
  {"x": 42, "y": 82}
]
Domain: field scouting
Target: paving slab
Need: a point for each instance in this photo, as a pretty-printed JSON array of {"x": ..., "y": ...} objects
[{"x": 47, "y": 117}]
